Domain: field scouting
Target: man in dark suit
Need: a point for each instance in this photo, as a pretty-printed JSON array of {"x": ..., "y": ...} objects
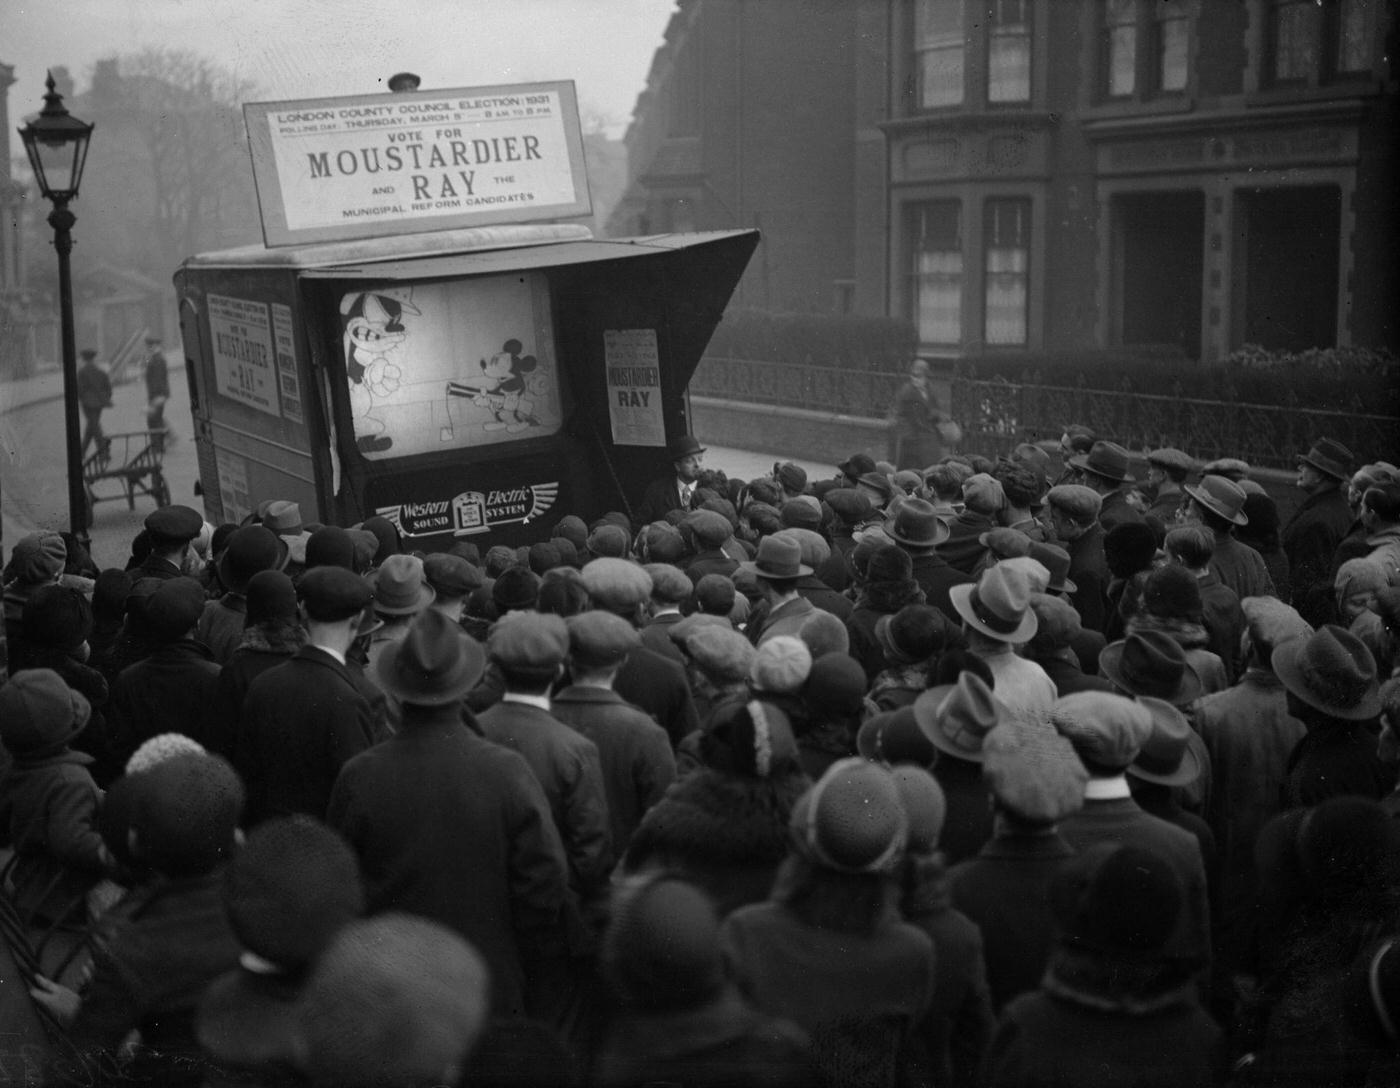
[
  {"x": 1104, "y": 470},
  {"x": 169, "y": 531},
  {"x": 452, "y": 827},
  {"x": 1074, "y": 513},
  {"x": 918, "y": 530},
  {"x": 1312, "y": 534},
  {"x": 677, "y": 490},
  {"x": 529, "y": 649},
  {"x": 302, "y": 721}
]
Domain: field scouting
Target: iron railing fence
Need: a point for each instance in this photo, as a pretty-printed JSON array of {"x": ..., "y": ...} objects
[{"x": 996, "y": 414}]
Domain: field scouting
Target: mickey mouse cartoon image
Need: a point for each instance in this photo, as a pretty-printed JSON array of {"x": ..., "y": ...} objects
[
  {"x": 373, "y": 332},
  {"x": 504, "y": 390}
]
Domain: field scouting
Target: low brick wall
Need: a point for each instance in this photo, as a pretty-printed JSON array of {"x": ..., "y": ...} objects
[{"x": 787, "y": 432}]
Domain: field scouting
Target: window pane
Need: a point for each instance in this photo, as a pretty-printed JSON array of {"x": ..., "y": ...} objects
[
  {"x": 938, "y": 37},
  {"x": 1353, "y": 41},
  {"x": 1173, "y": 34},
  {"x": 1007, "y": 278},
  {"x": 1119, "y": 47},
  {"x": 1295, "y": 48},
  {"x": 938, "y": 268},
  {"x": 1009, "y": 53}
]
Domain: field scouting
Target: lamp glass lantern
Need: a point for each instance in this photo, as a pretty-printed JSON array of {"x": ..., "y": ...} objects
[{"x": 57, "y": 145}]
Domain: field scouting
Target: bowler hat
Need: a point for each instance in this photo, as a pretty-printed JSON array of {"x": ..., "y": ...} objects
[
  {"x": 683, "y": 447},
  {"x": 1032, "y": 771},
  {"x": 1168, "y": 756},
  {"x": 1221, "y": 496},
  {"x": 250, "y": 549},
  {"x": 1151, "y": 663},
  {"x": 956, "y": 718},
  {"x": 330, "y": 545},
  {"x": 1332, "y": 671},
  {"x": 38, "y": 712},
  {"x": 399, "y": 587},
  {"x": 917, "y": 525},
  {"x": 998, "y": 604},
  {"x": 331, "y": 594},
  {"x": 912, "y": 635},
  {"x": 174, "y": 523},
  {"x": 271, "y": 597},
  {"x": 1330, "y": 458},
  {"x": 1106, "y": 459},
  {"x": 435, "y": 664},
  {"x": 778, "y": 557},
  {"x": 1107, "y": 730}
]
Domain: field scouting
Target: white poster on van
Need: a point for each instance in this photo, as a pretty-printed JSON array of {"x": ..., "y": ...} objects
[
  {"x": 244, "y": 362},
  {"x": 371, "y": 165},
  {"x": 634, "y": 387}
]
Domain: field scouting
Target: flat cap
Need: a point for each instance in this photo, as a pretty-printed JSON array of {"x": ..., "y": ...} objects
[
  {"x": 1271, "y": 621},
  {"x": 662, "y": 542},
  {"x": 983, "y": 493},
  {"x": 710, "y": 528},
  {"x": 1076, "y": 500},
  {"x": 1005, "y": 543},
  {"x": 450, "y": 575},
  {"x": 174, "y": 523},
  {"x": 804, "y": 513},
  {"x": 714, "y": 593},
  {"x": 1167, "y": 457},
  {"x": 38, "y": 558},
  {"x": 174, "y": 607},
  {"x": 850, "y": 505},
  {"x": 669, "y": 584},
  {"x": 598, "y": 639},
  {"x": 330, "y": 594},
  {"x": 529, "y": 641},
  {"x": 792, "y": 477},
  {"x": 609, "y": 540},
  {"x": 719, "y": 651},
  {"x": 1106, "y": 730},
  {"x": 617, "y": 584},
  {"x": 1032, "y": 771},
  {"x": 781, "y": 665}
]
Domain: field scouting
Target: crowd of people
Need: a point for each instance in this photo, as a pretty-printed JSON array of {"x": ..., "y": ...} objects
[{"x": 1001, "y": 771}]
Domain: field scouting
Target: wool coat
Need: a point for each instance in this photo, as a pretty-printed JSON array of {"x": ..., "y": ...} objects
[
  {"x": 936, "y": 576},
  {"x": 634, "y": 753},
  {"x": 451, "y": 826},
  {"x": 657, "y": 685},
  {"x": 1240, "y": 567},
  {"x": 301, "y": 722},
  {"x": 171, "y": 691},
  {"x": 220, "y": 627},
  {"x": 1310, "y": 540},
  {"x": 1088, "y": 570},
  {"x": 1117, "y": 510},
  {"x": 568, "y": 767}
]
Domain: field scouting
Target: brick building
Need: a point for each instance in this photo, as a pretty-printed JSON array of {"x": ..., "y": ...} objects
[{"x": 1053, "y": 175}]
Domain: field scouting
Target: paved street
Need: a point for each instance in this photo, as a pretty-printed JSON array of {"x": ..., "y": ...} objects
[{"x": 33, "y": 471}]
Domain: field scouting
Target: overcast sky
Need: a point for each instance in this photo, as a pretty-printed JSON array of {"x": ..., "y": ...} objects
[{"x": 316, "y": 48}]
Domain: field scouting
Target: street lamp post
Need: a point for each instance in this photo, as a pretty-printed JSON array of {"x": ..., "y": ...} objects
[{"x": 57, "y": 144}]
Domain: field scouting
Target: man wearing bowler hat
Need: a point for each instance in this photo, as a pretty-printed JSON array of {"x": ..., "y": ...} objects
[
  {"x": 1312, "y": 534},
  {"x": 677, "y": 490},
  {"x": 453, "y": 827},
  {"x": 302, "y": 721},
  {"x": 1104, "y": 470}
]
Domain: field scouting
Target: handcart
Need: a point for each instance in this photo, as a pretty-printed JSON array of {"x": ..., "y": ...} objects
[{"x": 132, "y": 461}]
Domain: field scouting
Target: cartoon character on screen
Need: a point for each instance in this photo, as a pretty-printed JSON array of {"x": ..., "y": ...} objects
[
  {"x": 373, "y": 334},
  {"x": 506, "y": 389}
]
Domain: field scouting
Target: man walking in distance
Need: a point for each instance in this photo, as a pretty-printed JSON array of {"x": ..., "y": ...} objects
[
  {"x": 157, "y": 391},
  {"x": 94, "y": 397}
]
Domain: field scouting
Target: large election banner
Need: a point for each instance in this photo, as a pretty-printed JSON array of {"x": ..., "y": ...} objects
[{"x": 331, "y": 169}]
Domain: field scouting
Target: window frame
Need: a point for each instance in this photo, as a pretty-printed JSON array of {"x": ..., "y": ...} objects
[
  {"x": 913, "y": 212},
  {"x": 1025, "y": 207},
  {"x": 1027, "y": 39}
]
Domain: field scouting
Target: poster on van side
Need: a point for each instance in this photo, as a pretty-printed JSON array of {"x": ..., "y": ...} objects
[{"x": 332, "y": 169}]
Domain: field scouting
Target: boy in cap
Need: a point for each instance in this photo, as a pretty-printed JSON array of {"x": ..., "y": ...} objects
[
  {"x": 301, "y": 721},
  {"x": 1167, "y": 472},
  {"x": 1107, "y": 732},
  {"x": 1073, "y": 512},
  {"x": 670, "y": 590},
  {"x": 1035, "y": 781},
  {"x": 169, "y": 532},
  {"x": 634, "y": 752},
  {"x": 454, "y": 827},
  {"x": 451, "y": 579},
  {"x": 172, "y": 689},
  {"x": 529, "y": 650}
]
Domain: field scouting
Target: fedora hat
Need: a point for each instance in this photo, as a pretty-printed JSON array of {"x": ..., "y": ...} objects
[
  {"x": 778, "y": 557},
  {"x": 998, "y": 604},
  {"x": 400, "y": 588},
  {"x": 435, "y": 664},
  {"x": 1168, "y": 756},
  {"x": 684, "y": 446},
  {"x": 1331, "y": 670},
  {"x": 917, "y": 524},
  {"x": 1220, "y": 495},
  {"x": 250, "y": 549},
  {"x": 1056, "y": 560},
  {"x": 956, "y": 718},
  {"x": 1151, "y": 663},
  {"x": 1106, "y": 459},
  {"x": 1329, "y": 457}
]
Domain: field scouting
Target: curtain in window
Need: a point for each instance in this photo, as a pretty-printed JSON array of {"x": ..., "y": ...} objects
[
  {"x": 939, "y": 287},
  {"x": 1173, "y": 36},
  {"x": 1009, "y": 52},
  {"x": 938, "y": 38},
  {"x": 1353, "y": 37},
  {"x": 1295, "y": 44},
  {"x": 1120, "y": 47},
  {"x": 1007, "y": 286}
]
